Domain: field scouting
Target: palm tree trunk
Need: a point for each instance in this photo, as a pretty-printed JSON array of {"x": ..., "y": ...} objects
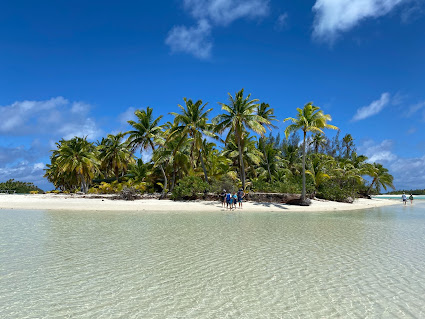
[
  {"x": 203, "y": 166},
  {"x": 165, "y": 179},
  {"x": 162, "y": 171},
  {"x": 370, "y": 187},
  {"x": 116, "y": 173},
  {"x": 173, "y": 181},
  {"x": 303, "y": 190},
  {"x": 241, "y": 162}
]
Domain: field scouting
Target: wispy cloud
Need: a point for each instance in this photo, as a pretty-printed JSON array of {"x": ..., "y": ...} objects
[
  {"x": 281, "y": 22},
  {"x": 373, "y": 108},
  {"x": 194, "y": 40},
  {"x": 415, "y": 108},
  {"x": 332, "y": 17},
  {"x": 224, "y": 12},
  {"x": 197, "y": 40}
]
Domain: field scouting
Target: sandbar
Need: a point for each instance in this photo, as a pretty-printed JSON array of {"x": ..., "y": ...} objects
[{"x": 72, "y": 202}]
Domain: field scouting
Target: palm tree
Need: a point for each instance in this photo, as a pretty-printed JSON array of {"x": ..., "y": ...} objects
[
  {"x": 192, "y": 123},
  {"x": 348, "y": 144},
  {"x": 381, "y": 178},
  {"x": 77, "y": 157},
  {"x": 317, "y": 141},
  {"x": 319, "y": 171},
  {"x": 146, "y": 134},
  {"x": 266, "y": 113},
  {"x": 241, "y": 114},
  {"x": 251, "y": 155},
  {"x": 115, "y": 155},
  {"x": 309, "y": 119}
]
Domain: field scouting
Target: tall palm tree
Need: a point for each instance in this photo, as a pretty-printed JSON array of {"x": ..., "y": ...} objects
[
  {"x": 192, "y": 123},
  {"x": 115, "y": 155},
  {"x": 146, "y": 134},
  {"x": 251, "y": 155},
  {"x": 381, "y": 178},
  {"x": 240, "y": 115},
  {"x": 266, "y": 113},
  {"x": 309, "y": 119}
]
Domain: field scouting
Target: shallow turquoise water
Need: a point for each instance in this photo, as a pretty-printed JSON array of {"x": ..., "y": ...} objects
[{"x": 368, "y": 263}]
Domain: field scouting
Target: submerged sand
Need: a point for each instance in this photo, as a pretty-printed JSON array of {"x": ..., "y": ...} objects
[{"x": 88, "y": 203}]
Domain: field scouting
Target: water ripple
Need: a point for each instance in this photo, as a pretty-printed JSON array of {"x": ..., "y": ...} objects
[{"x": 364, "y": 264}]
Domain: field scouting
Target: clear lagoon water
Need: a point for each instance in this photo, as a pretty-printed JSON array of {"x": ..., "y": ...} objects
[{"x": 358, "y": 264}]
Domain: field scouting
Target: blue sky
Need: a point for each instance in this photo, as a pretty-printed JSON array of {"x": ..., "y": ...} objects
[{"x": 83, "y": 67}]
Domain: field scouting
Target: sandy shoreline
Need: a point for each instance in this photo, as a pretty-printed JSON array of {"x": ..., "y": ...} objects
[{"x": 79, "y": 203}]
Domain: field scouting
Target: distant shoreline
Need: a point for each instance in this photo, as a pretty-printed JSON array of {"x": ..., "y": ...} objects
[{"x": 87, "y": 203}]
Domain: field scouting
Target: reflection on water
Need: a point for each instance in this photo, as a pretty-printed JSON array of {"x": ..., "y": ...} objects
[{"x": 213, "y": 265}]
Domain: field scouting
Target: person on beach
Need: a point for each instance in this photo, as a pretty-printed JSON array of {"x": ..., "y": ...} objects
[
  {"x": 404, "y": 198},
  {"x": 223, "y": 198},
  {"x": 229, "y": 200},
  {"x": 235, "y": 199},
  {"x": 411, "y": 199},
  {"x": 241, "y": 195}
]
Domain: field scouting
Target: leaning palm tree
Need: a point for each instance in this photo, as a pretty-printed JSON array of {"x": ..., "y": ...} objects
[
  {"x": 309, "y": 119},
  {"x": 146, "y": 134},
  {"x": 240, "y": 115},
  {"x": 381, "y": 178},
  {"x": 192, "y": 123}
]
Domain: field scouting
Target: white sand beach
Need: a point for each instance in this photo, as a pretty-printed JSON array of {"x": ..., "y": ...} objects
[{"x": 79, "y": 203}]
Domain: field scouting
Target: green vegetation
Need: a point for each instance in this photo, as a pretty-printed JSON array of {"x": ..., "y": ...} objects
[
  {"x": 185, "y": 160},
  {"x": 20, "y": 187}
]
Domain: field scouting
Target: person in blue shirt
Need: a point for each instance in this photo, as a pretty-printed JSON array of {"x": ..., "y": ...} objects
[
  {"x": 235, "y": 200},
  {"x": 404, "y": 198},
  {"x": 229, "y": 200}
]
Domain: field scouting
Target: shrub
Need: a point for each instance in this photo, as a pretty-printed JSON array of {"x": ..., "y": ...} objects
[
  {"x": 189, "y": 187},
  {"x": 34, "y": 192},
  {"x": 332, "y": 190},
  {"x": 129, "y": 193}
]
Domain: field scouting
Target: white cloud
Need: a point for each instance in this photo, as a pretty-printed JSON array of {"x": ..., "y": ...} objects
[
  {"x": 379, "y": 153},
  {"x": 373, "y": 108},
  {"x": 224, "y": 12},
  {"x": 194, "y": 40},
  {"x": 85, "y": 128},
  {"x": 54, "y": 117},
  {"x": 16, "y": 115},
  {"x": 408, "y": 173},
  {"x": 281, "y": 21},
  {"x": 127, "y": 115},
  {"x": 44, "y": 122},
  {"x": 336, "y": 16}
]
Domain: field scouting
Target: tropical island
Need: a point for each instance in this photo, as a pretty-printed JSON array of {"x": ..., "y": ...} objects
[{"x": 193, "y": 155}]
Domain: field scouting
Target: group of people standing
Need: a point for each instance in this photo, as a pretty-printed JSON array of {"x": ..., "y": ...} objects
[
  {"x": 404, "y": 198},
  {"x": 230, "y": 200}
]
